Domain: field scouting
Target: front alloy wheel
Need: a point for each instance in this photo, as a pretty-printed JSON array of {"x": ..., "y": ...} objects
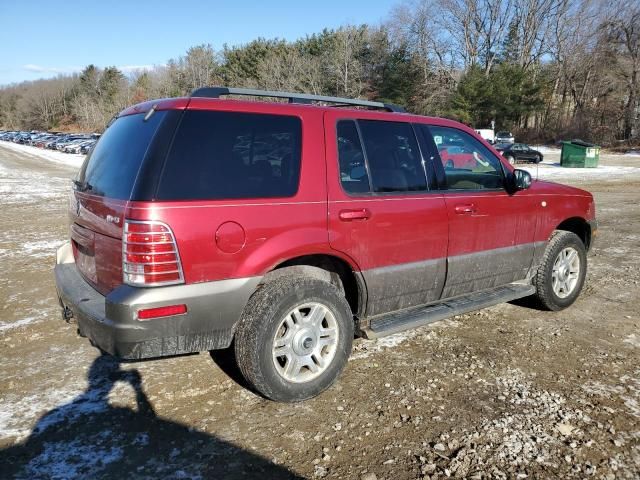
[
  {"x": 562, "y": 271},
  {"x": 566, "y": 272}
]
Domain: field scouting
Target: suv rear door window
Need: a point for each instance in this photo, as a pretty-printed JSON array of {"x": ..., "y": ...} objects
[
  {"x": 393, "y": 156},
  {"x": 227, "y": 155},
  {"x": 110, "y": 170}
]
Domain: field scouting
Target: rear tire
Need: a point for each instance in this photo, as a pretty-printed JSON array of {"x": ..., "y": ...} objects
[
  {"x": 562, "y": 272},
  {"x": 294, "y": 338},
  {"x": 511, "y": 160}
]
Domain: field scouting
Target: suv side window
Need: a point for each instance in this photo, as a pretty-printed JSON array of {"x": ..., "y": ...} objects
[
  {"x": 353, "y": 171},
  {"x": 468, "y": 165},
  {"x": 226, "y": 155},
  {"x": 393, "y": 156}
]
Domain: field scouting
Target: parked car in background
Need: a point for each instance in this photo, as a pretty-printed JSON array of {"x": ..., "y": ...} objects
[
  {"x": 519, "y": 152},
  {"x": 76, "y": 146},
  {"x": 74, "y": 143},
  {"x": 87, "y": 146},
  {"x": 487, "y": 134},
  {"x": 504, "y": 137}
]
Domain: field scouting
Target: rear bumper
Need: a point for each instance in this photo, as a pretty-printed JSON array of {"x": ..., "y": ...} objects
[{"x": 110, "y": 322}]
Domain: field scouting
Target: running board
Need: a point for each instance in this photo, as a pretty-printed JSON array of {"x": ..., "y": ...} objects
[{"x": 409, "y": 318}]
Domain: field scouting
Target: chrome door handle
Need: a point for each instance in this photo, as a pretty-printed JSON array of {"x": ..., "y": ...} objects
[
  {"x": 467, "y": 209},
  {"x": 351, "y": 215}
]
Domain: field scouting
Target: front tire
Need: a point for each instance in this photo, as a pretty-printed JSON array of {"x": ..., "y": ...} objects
[
  {"x": 511, "y": 160},
  {"x": 294, "y": 338},
  {"x": 562, "y": 272}
]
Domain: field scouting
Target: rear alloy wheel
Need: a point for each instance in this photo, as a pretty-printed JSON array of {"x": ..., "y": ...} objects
[
  {"x": 294, "y": 338},
  {"x": 305, "y": 342},
  {"x": 562, "y": 272},
  {"x": 511, "y": 160}
]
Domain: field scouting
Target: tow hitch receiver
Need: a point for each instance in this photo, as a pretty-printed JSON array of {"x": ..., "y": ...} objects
[{"x": 67, "y": 314}]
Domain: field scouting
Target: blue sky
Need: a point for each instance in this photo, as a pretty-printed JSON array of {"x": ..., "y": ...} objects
[{"x": 44, "y": 38}]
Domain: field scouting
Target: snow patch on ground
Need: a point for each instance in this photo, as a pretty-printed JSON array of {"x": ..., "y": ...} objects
[
  {"x": 633, "y": 340},
  {"x": 4, "y": 326},
  {"x": 626, "y": 388},
  {"x": 70, "y": 159},
  {"x": 18, "y": 413},
  {"x": 366, "y": 348},
  {"x": 545, "y": 150},
  {"x": 43, "y": 248},
  {"x": 33, "y": 249},
  {"x": 56, "y": 462},
  {"x": 55, "y": 404},
  {"x": 553, "y": 171},
  {"x": 25, "y": 188}
]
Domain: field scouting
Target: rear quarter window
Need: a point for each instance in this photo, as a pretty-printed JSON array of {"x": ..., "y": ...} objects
[
  {"x": 231, "y": 155},
  {"x": 111, "y": 168}
]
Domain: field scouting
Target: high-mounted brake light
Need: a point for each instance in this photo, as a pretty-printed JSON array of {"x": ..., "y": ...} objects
[{"x": 150, "y": 255}]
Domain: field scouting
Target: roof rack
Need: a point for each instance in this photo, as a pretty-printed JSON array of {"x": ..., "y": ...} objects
[{"x": 216, "y": 92}]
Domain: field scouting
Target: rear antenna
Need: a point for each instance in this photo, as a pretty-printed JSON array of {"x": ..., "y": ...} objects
[{"x": 151, "y": 111}]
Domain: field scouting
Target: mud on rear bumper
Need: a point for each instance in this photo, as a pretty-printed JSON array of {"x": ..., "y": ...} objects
[{"x": 110, "y": 322}]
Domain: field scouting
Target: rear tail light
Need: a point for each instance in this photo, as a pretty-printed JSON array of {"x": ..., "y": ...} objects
[{"x": 150, "y": 255}]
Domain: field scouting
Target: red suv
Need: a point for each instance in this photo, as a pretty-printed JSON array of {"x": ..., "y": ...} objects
[{"x": 287, "y": 228}]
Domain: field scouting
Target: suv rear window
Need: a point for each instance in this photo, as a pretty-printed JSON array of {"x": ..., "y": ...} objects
[
  {"x": 110, "y": 170},
  {"x": 225, "y": 155}
]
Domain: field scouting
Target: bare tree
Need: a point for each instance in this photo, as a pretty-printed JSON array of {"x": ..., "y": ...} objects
[{"x": 622, "y": 30}]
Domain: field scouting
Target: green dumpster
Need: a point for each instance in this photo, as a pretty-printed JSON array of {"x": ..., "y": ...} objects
[{"x": 579, "y": 154}]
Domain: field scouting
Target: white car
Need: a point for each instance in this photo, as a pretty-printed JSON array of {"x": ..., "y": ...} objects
[
  {"x": 487, "y": 134},
  {"x": 504, "y": 137}
]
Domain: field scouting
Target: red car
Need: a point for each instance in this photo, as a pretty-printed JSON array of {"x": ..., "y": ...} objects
[{"x": 286, "y": 229}]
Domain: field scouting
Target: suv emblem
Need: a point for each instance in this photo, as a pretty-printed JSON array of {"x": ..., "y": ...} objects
[{"x": 113, "y": 219}]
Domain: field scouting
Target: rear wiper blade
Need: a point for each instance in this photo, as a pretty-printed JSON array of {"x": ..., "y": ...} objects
[{"x": 82, "y": 186}]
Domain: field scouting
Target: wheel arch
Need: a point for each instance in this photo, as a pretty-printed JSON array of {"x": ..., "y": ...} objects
[
  {"x": 340, "y": 272},
  {"x": 580, "y": 227}
]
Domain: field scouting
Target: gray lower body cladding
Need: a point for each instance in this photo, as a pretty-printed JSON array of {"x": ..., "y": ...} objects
[
  {"x": 401, "y": 286},
  {"x": 110, "y": 322},
  {"x": 417, "y": 283},
  {"x": 490, "y": 268}
]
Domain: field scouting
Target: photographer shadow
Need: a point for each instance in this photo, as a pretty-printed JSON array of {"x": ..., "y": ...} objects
[{"x": 89, "y": 438}]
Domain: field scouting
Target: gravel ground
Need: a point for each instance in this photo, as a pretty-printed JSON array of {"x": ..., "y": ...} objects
[{"x": 506, "y": 392}]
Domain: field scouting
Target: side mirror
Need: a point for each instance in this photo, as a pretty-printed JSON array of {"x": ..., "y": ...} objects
[{"x": 521, "y": 179}]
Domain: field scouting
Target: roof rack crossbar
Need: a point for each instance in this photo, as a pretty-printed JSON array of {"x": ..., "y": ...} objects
[{"x": 304, "y": 98}]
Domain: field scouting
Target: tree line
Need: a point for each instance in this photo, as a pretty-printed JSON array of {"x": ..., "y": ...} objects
[{"x": 546, "y": 69}]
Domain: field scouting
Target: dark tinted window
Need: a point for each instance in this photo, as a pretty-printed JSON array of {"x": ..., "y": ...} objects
[
  {"x": 393, "y": 156},
  {"x": 218, "y": 155},
  {"x": 353, "y": 172},
  {"x": 111, "y": 168},
  {"x": 468, "y": 165}
]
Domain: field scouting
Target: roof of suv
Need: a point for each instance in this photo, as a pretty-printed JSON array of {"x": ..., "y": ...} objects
[
  {"x": 293, "y": 98},
  {"x": 201, "y": 100}
]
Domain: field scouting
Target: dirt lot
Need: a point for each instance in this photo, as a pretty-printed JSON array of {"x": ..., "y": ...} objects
[{"x": 507, "y": 392}]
